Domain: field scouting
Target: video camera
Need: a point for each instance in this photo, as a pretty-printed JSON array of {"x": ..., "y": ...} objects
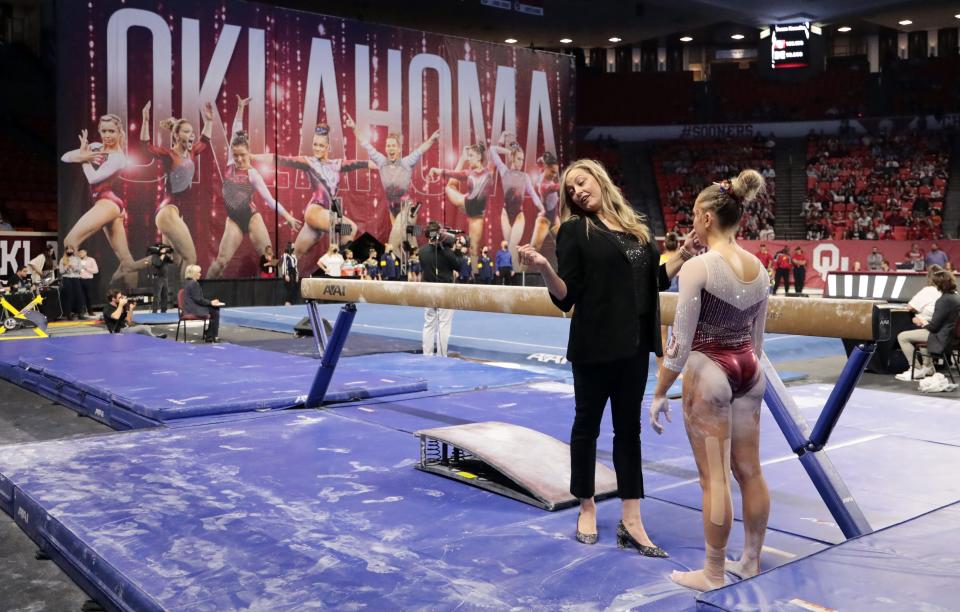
[
  {"x": 160, "y": 249},
  {"x": 446, "y": 236}
]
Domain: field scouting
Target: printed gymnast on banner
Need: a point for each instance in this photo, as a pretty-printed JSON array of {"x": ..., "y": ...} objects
[
  {"x": 243, "y": 217},
  {"x": 717, "y": 341},
  {"x": 608, "y": 270}
]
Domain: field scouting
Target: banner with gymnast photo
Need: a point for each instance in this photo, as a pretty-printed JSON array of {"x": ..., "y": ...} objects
[{"x": 226, "y": 129}]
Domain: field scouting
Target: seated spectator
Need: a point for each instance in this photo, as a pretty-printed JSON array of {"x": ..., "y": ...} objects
[
  {"x": 874, "y": 260},
  {"x": 922, "y": 305},
  {"x": 936, "y": 257},
  {"x": 194, "y": 303},
  {"x": 118, "y": 316},
  {"x": 945, "y": 313}
]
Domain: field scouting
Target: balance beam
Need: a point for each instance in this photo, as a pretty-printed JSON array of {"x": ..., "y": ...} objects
[{"x": 829, "y": 318}]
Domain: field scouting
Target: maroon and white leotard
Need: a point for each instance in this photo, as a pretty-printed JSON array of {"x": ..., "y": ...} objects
[
  {"x": 103, "y": 176},
  {"x": 324, "y": 175},
  {"x": 550, "y": 195},
  {"x": 179, "y": 170},
  {"x": 516, "y": 183},
  {"x": 722, "y": 317}
]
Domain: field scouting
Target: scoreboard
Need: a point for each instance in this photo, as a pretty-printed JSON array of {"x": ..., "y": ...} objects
[{"x": 790, "y": 45}]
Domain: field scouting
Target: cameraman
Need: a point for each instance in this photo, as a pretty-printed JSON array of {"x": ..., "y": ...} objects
[
  {"x": 161, "y": 257},
  {"x": 118, "y": 316},
  {"x": 438, "y": 260}
]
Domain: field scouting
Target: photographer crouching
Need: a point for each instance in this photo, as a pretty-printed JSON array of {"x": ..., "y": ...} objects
[
  {"x": 118, "y": 316},
  {"x": 438, "y": 260},
  {"x": 161, "y": 255}
]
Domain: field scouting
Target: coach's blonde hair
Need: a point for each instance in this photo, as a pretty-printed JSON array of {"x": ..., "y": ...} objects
[{"x": 612, "y": 202}]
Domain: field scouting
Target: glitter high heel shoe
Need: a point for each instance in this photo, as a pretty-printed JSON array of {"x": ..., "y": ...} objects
[
  {"x": 585, "y": 538},
  {"x": 625, "y": 540}
]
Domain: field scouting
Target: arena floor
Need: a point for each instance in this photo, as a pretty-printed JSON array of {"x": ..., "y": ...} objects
[{"x": 291, "y": 509}]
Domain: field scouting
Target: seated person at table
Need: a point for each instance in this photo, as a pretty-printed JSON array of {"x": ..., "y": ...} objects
[
  {"x": 118, "y": 316},
  {"x": 194, "y": 303}
]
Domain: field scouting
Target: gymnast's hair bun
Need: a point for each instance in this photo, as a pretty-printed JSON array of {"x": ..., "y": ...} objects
[{"x": 747, "y": 185}]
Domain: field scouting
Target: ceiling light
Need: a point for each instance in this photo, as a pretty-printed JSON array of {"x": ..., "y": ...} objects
[
  {"x": 686, "y": 39},
  {"x": 614, "y": 39},
  {"x": 844, "y": 29},
  {"x": 905, "y": 22},
  {"x": 510, "y": 41},
  {"x": 957, "y": 16},
  {"x": 566, "y": 41},
  {"x": 737, "y": 37}
]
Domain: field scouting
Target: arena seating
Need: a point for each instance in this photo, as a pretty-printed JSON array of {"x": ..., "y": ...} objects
[
  {"x": 876, "y": 187},
  {"x": 683, "y": 168}
]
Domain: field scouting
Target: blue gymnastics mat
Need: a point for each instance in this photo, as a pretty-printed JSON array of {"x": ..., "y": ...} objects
[
  {"x": 312, "y": 509},
  {"x": 148, "y": 382},
  {"x": 129, "y": 381},
  {"x": 893, "y": 478},
  {"x": 909, "y": 566},
  {"x": 156, "y": 318}
]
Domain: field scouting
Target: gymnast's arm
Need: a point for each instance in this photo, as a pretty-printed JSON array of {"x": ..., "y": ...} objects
[
  {"x": 693, "y": 278},
  {"x": 759, "y": 324},
  {"x": 691, "y": 246}
]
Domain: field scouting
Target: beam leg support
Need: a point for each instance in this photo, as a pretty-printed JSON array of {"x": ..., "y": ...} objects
[{"x": 331, "y": 355}]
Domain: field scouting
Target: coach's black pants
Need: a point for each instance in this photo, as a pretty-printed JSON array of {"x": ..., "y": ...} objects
[{"x": 623, "y": 383}]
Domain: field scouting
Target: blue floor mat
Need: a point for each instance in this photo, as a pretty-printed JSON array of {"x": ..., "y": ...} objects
[
  {"x": 870, "y": 464},
  {"x": 909, "y": 566},
  {"x": 357, "y": 344},
  {"x": 310, "y": 508},
  {"x": 140, "y": 388}
]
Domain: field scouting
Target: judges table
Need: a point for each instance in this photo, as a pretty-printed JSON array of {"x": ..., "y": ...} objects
[{"x": 894, "y": 287}]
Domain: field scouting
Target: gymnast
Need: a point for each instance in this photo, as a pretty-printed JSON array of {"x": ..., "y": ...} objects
[
  {"x": 717, "y": 340},
  {"x": 608, "y": 269}
]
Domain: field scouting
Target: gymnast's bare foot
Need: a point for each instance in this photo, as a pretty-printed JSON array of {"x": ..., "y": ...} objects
[
  {"x": 696, "y": 580},
  {"x": 744, "y": 568}
]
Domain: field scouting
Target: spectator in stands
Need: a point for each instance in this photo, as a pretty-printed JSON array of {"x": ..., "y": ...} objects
[
  {"x": 414, "y": 269},
  {"x": 923, "y": 304},
  {"x": 290, "y": 274},
  {"x": 799, "y": 262},
  {"x": 389, "y": 264},
  {"x": 764, "y": 256},
  {"x": 350, "y": 267},
  {"x": 118, "y": 316},
  {"x": 945, "y": 313},
  {"x": 936, "y": 257},
  {"x": 885, "y": 266},
  {"x": 465, "y": 272},
  {"x": 43, "y": 264},
  {"x": 767, "y": 232},
  {"x": 5, "y": 225},
  {"x": 331, "y": 263},
  {"x": 268, "y": 263},
  {"x": 16, "y": 281},
  {"x": 194, "y": 303},
  {"x": 88, "y": 269},
  {"x": 485, "y": 265},
  {"x": 782, "y": 266},
  {"x": 504, "y": 267},
  {"x": 874, "y": 260},
  {"x": 915, "y": 257},
  {"x": 71, "y": 297}
]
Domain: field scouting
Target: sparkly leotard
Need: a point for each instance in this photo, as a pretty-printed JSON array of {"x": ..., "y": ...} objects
[
  {"x": 550, "y": 194},
  {"x": 394, "y": 175},
  {"x": 516, "y": 183},
  {"x": 722, "y": 317},
  {"x": 479, "y": 188},
  {"x": 179, "y": 170}
]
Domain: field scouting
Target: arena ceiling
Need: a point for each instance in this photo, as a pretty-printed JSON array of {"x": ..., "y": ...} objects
[{"x": 591, "y": 23}]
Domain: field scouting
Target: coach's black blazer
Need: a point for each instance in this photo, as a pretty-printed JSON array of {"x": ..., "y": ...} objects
[{"x": 606, "y": 323}]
